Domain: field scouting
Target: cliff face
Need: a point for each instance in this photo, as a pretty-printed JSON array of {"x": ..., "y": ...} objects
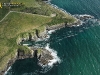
[
  {"x": 55, "y": 27},
  {"x": 35, "y": 34},
  {"x": 38, "y": 34},
  {"x": 31, "y": 36},
  {"x": 43, "y": 56},
  {"x": 22, "y": 55}
]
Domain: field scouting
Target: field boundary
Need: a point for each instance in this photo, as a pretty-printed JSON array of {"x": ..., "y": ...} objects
[{"x": 22, "y": 13}]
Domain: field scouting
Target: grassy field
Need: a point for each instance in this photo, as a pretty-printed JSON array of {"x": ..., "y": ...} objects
[{"x": 41, "y": 8}]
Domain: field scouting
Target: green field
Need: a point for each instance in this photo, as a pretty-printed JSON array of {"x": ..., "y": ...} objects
[{"x": 41, "y": 8}]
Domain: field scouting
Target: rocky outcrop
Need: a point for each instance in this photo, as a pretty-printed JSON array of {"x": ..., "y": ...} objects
[
  {"x": 55, "y": 27},
  {"x": 62, "y": 25},
  {"x": 45, "y": 57},
  {"x": 84, "y": 17},
  {"x": 22, "y": 55}
]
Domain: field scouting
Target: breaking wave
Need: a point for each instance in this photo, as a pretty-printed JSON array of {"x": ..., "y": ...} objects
[
  {"x": 54, "y": 54},
  {"x": 55, "y": 60},
  {"x": 7, "y": 70}
]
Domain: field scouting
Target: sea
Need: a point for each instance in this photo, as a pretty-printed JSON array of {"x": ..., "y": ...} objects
[{"x": 76, "y": 49}]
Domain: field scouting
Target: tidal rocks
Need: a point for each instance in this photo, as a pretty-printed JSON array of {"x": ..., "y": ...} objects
[{"x": 44, "y": 57}]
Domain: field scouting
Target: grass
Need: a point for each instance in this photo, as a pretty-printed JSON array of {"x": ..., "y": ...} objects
[
  {"x": 39, "y": 51},
  {"x": 3, "y": 10},
  {"x": 41, "y": 8},
  {"x": 19, "y": 23},
  {"x": 56, "y": 20},
  {"x": 28, "y": 3},
  {"x": 25, "y": 49}
]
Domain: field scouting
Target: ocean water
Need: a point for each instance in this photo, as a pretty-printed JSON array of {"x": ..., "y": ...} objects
[
  {"x": 77, "y": 47},
  {"x": 91, "y": 7}
]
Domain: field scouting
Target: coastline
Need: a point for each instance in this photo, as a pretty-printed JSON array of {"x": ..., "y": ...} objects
[{"x": 55, "y": 27}]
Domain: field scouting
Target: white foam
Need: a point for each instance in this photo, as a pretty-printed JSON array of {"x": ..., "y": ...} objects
[
  {"x": 54, "y": 54},
  {"x": 55, "y": 59},
  {"x": 49, "y": 0},
  {"x": 51, "y": 31},
  {"x": 39, "y": 39},
  {"x": 48, "y": 36},
  {"x": 7, "y": 70},
  {"x": 86, "y": 15}
]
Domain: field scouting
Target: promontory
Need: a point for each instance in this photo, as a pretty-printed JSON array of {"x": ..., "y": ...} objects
[{"x": 28, "y": 20}]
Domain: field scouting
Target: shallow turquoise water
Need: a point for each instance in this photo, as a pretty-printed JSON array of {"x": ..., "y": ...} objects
[{"x": 78, "y": 48}]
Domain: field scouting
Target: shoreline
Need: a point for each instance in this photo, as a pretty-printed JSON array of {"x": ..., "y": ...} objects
[{"x": 56, "y": 27}]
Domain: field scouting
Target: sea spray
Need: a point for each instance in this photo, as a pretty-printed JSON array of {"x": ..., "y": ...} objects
[
  {"x": 55, "y": 60},
  {"x": 51, "y": 31},
  {"x": 7, "y": 70},
  {"x": 54, "y": 54}
]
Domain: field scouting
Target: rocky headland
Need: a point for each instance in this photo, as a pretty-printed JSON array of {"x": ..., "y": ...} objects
[{"x": 43, "y": 55}]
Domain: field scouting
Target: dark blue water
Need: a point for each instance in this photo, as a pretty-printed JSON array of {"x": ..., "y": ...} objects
[{"x": 77, "y": 47}]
